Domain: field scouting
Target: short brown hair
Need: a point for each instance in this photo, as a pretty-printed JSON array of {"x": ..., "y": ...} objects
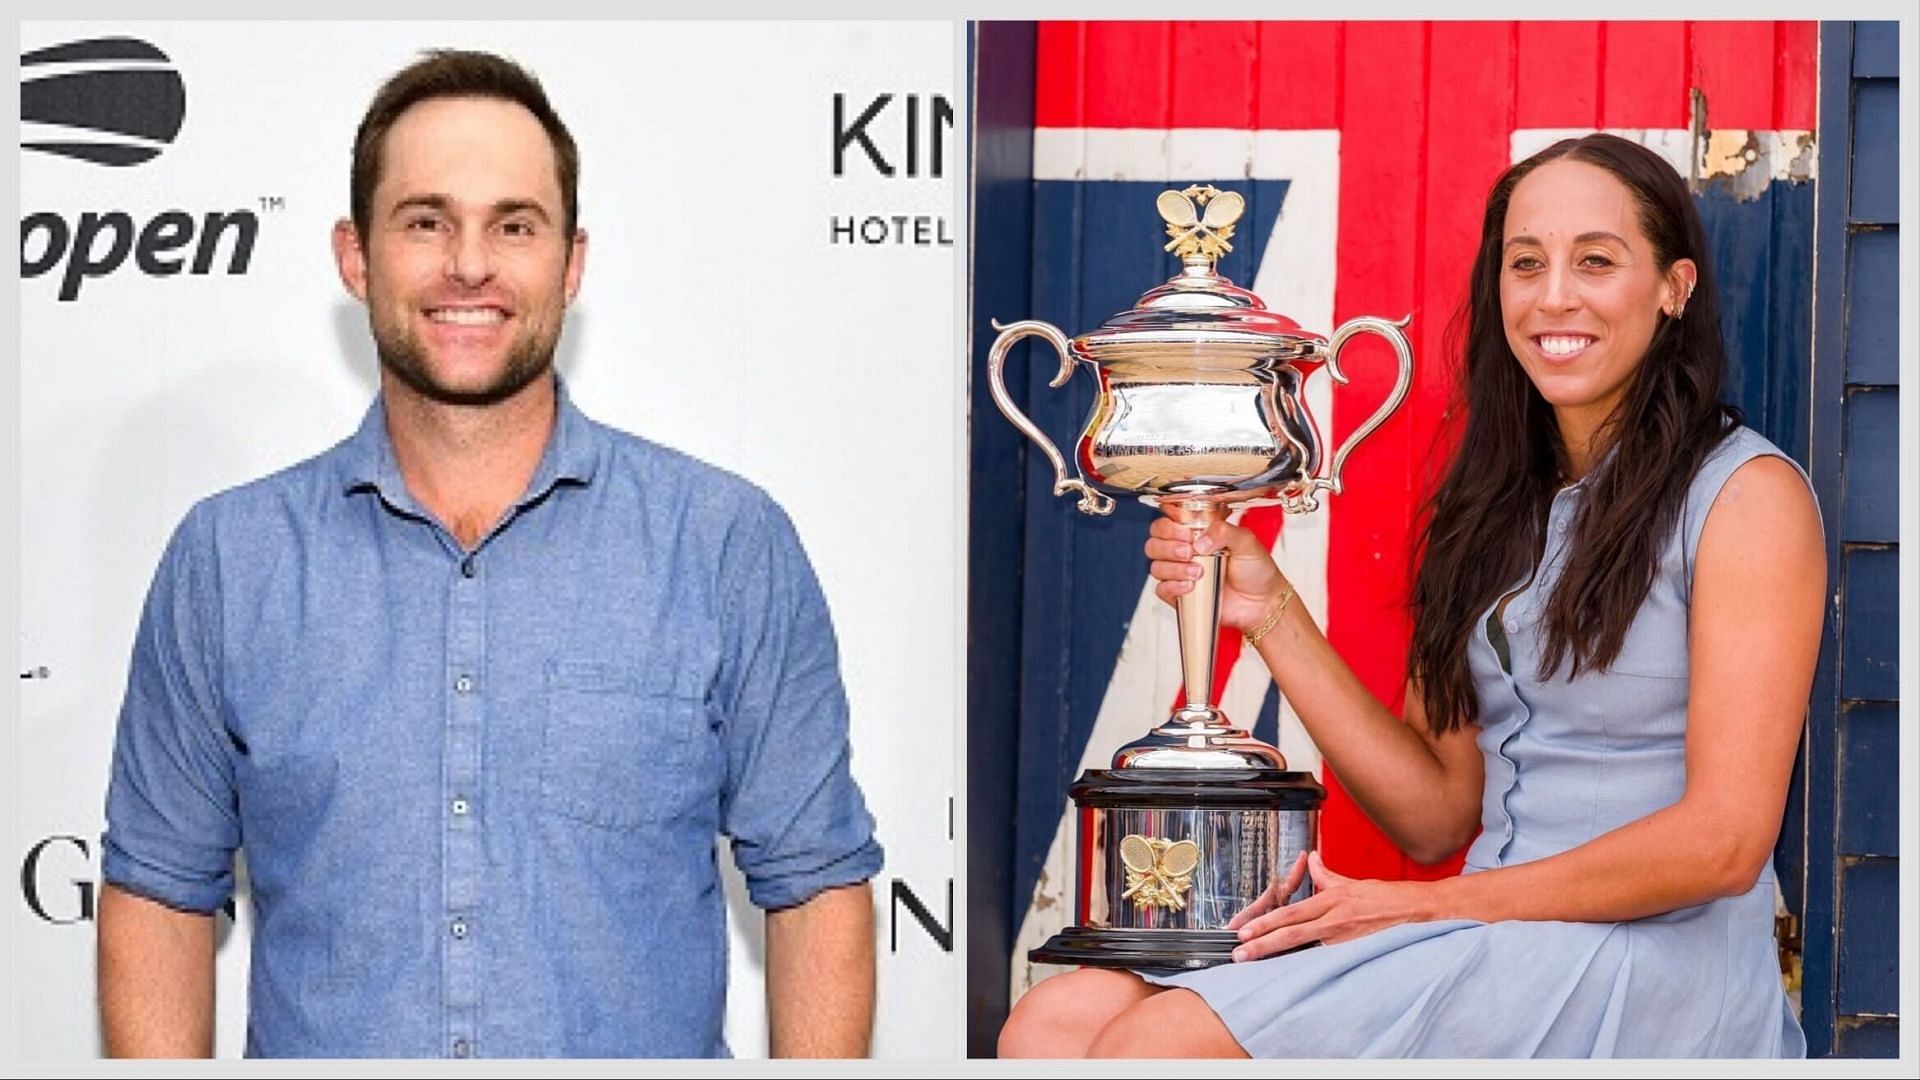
[{"x": 447, "y": 73}]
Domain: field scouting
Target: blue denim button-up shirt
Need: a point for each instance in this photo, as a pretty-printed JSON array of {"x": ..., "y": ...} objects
[{"x": 479, "y": 791}]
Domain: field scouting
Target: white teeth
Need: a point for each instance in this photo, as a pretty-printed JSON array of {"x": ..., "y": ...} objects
[
  {"x": 1563, "y": 344},
  {"x": 467, "y": 316}
]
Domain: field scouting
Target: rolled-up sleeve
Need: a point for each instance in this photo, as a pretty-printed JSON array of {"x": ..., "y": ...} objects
[
  {"x": 797, "y": 819},
  {"x": 172, "y": 819}
]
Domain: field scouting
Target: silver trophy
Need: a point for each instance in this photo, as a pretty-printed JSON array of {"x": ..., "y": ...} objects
[{"x": 1199, "y": 411}]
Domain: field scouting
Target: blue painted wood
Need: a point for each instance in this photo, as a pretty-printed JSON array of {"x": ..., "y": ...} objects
[
  {"x": 1873, "y": 333},
  {"x": 1870, "y": 1037},
  {"x": 1001, "y": 148},
  {"x": 1870, "y": 513},
  {"x": 1869, "y": 920},
  {"x": 1850, "y": 919},
  {"x": 1870, "y": 648},
  {"x": 1790, "y": 320},
  {"x": 1815, "y": 778},
  {"x": 1869, "y": 770},
  {"x": 1046, "y": 633},
  {"x": 1051, "y": 632},
  {"x": 1875, "y": 196},
  {"x": 1876, "y": 50},
  {"x": 1766, "y": 319},
  {"x": 1266, "y": 726},
  {"x": 1739, "y": 245},
  {"x": 1784, "y": 417},
  {"x": 1765, "y": 308}
]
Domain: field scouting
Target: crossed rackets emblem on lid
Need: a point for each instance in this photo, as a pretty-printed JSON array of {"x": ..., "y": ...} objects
[{"x": 1200, "y": 219}]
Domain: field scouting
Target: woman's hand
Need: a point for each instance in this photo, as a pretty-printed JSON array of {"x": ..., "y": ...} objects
[
  {"x": 1340, "y": 909},
  {"x": 1275, "y": 895},
  {"x": 1252, "y": 583}
]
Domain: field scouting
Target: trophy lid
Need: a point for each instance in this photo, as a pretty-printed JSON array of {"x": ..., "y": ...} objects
[
  {"x": 1197, "y": 307},
  {"x": 1198, "y": 737}
]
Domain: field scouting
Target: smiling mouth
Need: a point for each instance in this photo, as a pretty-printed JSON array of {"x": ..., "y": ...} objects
[
  {"x": 467, "y": 316},
  {"x": 1561, "y": 346}
]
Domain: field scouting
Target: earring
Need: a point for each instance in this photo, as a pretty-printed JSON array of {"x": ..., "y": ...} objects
[{"x": 1680, "y": 308}]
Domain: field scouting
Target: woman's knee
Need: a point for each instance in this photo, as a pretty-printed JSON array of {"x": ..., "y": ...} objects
[
  {"x": 1176, "y": 1023},
  {"x": 1060, "y": 1016}
]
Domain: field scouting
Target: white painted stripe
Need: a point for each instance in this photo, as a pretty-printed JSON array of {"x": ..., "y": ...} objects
[
  {"x": 1169, "y": 154},
  {"x": 1209, "y": 153},
  {"x": 1130, "y": 154},
  {"x": 1182, "y": 153},
  {"x": 1059, "y": 153},
  {"x": 1296, "y": 277},
  {"x": 1783, "y": 154}
]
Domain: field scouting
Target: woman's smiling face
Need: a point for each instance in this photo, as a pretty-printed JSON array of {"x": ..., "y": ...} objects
[{"x": 1581, "y": 288}]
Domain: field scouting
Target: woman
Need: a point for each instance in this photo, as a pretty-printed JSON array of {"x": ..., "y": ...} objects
[{"x": 1617, "y": 617}]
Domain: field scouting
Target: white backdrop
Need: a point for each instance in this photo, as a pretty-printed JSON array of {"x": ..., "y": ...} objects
[{"x": 717, "y": 316}]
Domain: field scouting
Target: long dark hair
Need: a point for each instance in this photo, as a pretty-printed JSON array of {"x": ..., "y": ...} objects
[{"x": 1486, "y": 522}]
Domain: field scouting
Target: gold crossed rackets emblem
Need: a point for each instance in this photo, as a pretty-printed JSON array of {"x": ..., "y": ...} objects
[
  {"x": 1159, "y": 872},
  {"x": 1197, "y": 232}
]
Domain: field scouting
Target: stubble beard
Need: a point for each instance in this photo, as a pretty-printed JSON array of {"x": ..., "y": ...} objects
[{"x": 530, "y": 358}]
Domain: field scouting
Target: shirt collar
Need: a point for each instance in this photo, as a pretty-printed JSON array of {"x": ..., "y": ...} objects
[
  {"x": 572, "y": 454},
  {"x": 1579, "y": 486}
]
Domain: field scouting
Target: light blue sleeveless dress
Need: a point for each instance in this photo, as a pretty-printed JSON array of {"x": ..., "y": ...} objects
[{"x": 1565, "y": 762}]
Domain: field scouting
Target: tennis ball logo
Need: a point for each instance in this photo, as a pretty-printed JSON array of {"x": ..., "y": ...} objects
[{"x": 112, "y": 101}]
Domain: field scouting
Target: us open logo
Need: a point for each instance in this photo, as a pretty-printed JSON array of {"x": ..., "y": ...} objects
[
  {"x": 112, "y": 101},
  {"x": 118, "y": 102}
]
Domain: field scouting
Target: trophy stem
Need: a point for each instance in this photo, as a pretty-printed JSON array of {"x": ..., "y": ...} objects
[{"x": 1198, "y": 613}]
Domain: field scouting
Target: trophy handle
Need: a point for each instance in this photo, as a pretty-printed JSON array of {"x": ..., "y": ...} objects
[
  {"x": 1091, "y": 501},
  {"x": 1364, "y": 324}
]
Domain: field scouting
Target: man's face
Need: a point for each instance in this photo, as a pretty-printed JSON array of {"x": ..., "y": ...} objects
[{"x": 466, "y": 268}]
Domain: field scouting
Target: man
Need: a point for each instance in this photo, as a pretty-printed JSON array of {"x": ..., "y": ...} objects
[{"x": 477, "y": 688}]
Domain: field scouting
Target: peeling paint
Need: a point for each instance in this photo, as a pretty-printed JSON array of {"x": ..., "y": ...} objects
[
  {"x": 1741, "y": 161},
  {"x": 1747, "y": 162},
  {"x": 1043, "y": 898}
]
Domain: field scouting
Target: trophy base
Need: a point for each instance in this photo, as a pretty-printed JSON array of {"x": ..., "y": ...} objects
[{"x": 1182, "y": 950}]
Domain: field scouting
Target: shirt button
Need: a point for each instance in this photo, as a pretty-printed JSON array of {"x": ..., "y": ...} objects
[
  {"x": 459, "y": 929},
  {"x": 1512, "y": 627},
  {"x": 461, "y": 1048},
  {"x": 467, "y": 568},
  {"x": 464, "y": 684},
  {"x": 459, "y": 806}
]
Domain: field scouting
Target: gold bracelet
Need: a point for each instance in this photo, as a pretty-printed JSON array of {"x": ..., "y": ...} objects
[{"x": 1253, "y": 637}]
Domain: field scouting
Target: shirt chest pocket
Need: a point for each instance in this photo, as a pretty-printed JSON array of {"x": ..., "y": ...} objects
[{"x": 627, "y": 745}]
